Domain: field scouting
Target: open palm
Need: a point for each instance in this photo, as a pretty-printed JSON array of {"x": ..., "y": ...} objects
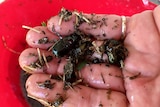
[{"x": 135, "y": 85}]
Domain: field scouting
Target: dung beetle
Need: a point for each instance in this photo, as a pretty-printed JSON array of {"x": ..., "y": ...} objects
[{"x": 64, "y": 45}]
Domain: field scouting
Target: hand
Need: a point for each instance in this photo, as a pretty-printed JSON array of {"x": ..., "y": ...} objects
[{"x": 135, "y": 85}]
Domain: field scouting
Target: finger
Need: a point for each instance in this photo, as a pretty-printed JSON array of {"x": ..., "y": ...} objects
[
  {"x": 78, "y": 95},
  {"x": 157, "y": 17},
  {"x": 32, "y": 61},
  {"x": 101, "y": 26},
  {"x": 104, "y": 27},
  {"x": 103, "y": 77},
  {"x": 36, "y": 87},
  {"x": 95, "y": 75},
  {"x": 43, "y": 38}
]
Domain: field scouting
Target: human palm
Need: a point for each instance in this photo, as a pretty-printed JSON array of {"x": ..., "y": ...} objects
[{"x": 135, "y": 85}]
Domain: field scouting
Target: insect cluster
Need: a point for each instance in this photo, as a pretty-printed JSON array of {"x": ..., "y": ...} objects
[
  {"x": 79, "y": 48},
  {"x": 76, "y": 47}
]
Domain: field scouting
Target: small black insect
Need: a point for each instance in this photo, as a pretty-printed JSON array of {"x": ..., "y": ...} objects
[{"x": 64, "y": 45}]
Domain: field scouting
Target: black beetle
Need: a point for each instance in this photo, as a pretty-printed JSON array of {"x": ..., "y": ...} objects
[{"x": 64, "y": 45}]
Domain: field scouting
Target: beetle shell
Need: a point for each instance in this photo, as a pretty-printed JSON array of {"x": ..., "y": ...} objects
[{"x": 64, "y": 45}]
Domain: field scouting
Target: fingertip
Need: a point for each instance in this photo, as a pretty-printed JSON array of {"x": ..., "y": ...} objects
[
  {"x": 63, "y": 28},
  {"x": 41, "y": 86},
  {"x": 41, "y": 38},
  {"x": 32, "y": 61},
  {"x": 24, "y": 56}
]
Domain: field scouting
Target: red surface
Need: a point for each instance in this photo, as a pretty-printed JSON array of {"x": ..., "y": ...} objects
[{"x": 15, "y": 13}]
